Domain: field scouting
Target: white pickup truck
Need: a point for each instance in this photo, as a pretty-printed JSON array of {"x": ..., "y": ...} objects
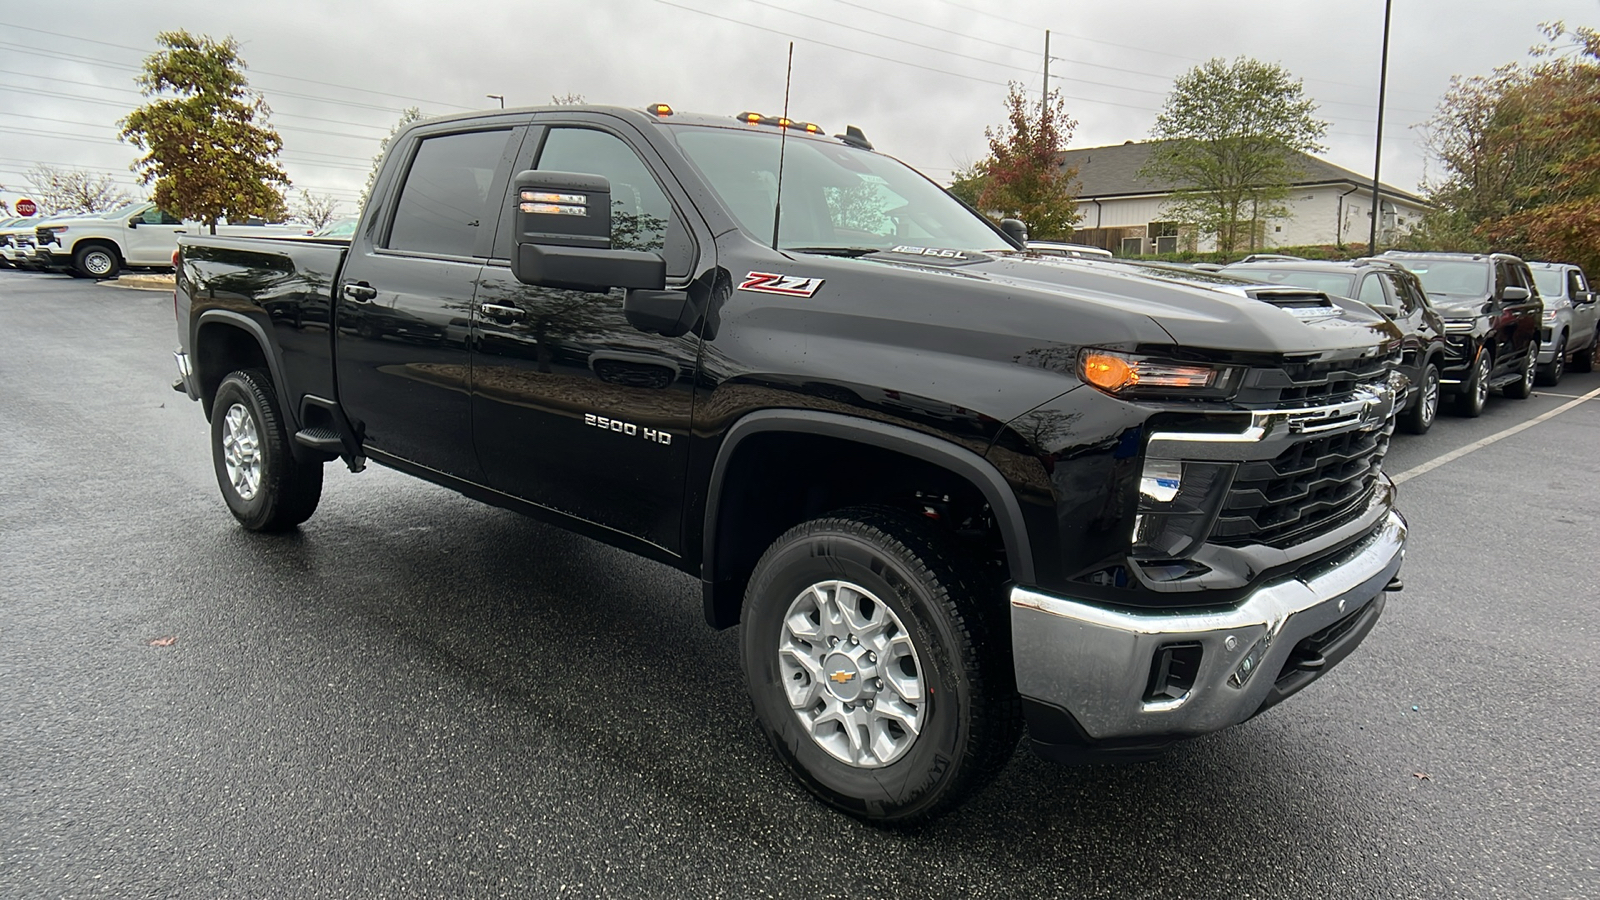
[{"x": 100, "y": 245}]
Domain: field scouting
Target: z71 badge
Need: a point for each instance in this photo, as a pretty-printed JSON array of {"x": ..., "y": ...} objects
[{"x": 791, "y": 285}]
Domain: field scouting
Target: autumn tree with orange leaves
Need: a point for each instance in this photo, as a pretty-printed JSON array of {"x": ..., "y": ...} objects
[
  {"x": 1521, "y": 155},
  {"x": 1022, "y": 177}
]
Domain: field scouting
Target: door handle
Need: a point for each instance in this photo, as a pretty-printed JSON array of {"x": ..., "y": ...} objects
[
  {"x": 496, "y": 311},
  {"x": 360, "y": 293}
]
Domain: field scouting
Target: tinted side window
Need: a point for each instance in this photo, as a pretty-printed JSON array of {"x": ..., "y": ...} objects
[
  {"x": 1404, "y": 293},
  {"x": 1575, "y": 283},
  {"x": 443, "y": 203},
  {"x": 159, "y": 217},
  {"x": 1372, "y": 291},
  {"x": 641, "y": 216},
  {"x": 1500, "y": 279}
]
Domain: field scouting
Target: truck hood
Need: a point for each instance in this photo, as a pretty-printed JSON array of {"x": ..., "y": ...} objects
[{"x": 1195, "y": 309}]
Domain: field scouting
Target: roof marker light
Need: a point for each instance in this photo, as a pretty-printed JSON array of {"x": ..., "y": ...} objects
[{"x": 660, "y": 109}]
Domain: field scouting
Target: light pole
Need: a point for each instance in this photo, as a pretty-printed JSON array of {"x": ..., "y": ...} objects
[
  {"x": 1377, "y": 153},
  {"x": 500, "y": 97}
]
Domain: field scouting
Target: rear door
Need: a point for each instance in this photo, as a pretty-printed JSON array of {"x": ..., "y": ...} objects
[
  {"x": 574, "y": 409},
  {"x": 404, "y": 300}
]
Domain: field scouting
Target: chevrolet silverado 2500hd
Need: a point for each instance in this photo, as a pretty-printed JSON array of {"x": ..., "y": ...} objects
[{"x": 950, "y": 489}]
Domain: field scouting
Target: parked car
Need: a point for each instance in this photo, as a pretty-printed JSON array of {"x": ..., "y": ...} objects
[
  {"x": 1076, "y": 251},
  {"x": 1389, "y": 288},
  {"x": 7, "y": 226},
  {"x": 17, "y": 242},
  {"x": 138, "y": 234},
  {"x": 1491, "y": 310},
  {"x": 1570, "y": 331}
]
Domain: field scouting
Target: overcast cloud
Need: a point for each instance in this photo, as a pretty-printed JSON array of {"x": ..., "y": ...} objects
[{"x": 922, "y": 78}]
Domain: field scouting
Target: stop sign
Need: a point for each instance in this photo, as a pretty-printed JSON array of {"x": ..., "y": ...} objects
[{"x": 26, "y": 207}]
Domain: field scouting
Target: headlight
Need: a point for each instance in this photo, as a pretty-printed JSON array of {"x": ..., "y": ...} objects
[
  {"x": 1549, "y": 317},
  {"x": 1130, "y": 375},
  {"x": 1461, "y": 326}
]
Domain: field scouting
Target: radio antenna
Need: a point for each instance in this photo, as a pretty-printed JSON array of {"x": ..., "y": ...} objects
[{"x": 783, "y": 140}]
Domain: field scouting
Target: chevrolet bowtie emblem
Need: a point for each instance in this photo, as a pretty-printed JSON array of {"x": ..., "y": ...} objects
[{"x": 841, "y": 677}]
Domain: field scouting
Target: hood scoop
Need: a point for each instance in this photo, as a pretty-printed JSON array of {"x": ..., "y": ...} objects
[{"x": 1300, "y": 303}]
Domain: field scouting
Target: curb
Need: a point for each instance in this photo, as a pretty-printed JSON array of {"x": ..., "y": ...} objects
[{"x": 140, "y": 282}]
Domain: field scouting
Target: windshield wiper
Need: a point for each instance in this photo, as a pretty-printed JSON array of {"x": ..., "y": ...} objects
[{"x": 851, "y": 252}]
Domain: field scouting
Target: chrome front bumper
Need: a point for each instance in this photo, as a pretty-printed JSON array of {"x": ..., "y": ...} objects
[{"x": 1096, "y": 663}]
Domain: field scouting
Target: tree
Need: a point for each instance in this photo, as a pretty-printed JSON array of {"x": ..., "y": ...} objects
[
  {"x": 411, "y": 114},
  {"x": 209, "y": 149},
  {"x": 316, "y": 210},
  {"x": 1022, "y": 176},
  {"x": 58, "y": 189},
  {"x": 1229, "y": 140},
  {"x": 568, "y": 99},
  {"x": 1521, "y": 152}
]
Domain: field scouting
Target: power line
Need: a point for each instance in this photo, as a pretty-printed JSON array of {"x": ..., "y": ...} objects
[{"x": 257, "y": 71}]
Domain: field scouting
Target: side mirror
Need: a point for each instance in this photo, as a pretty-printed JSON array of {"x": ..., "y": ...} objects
[
  {"x": 133, "y": 222},
  {"x": 1583, "y": 297},
  {"x": 1016, "y": 229},
  {"x": 1386, "y": 309},
  {"x": 1514, "y": 294},
  {"x": 563, "y": 231}
]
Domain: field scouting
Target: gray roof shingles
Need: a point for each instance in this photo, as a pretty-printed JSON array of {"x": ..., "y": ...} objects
[{"x": 1114, "y": 171}]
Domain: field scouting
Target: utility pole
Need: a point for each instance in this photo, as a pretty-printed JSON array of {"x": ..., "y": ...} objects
[
  {"x": 1377, "y": 153},
  {"x": 1045, "y": 103}
]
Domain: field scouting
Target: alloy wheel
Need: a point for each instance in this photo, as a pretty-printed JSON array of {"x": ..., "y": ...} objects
[
  {"x": 241, "y": 451},
  {"x": 851, "y": 674}
]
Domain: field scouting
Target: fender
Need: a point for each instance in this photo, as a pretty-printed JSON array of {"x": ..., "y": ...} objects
[
  {"x": 291, "y": 411},
  {"x": 980, "y": 472}
]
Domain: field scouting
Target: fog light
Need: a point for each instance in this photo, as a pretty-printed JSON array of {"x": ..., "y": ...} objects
[{"x": 1251, "y": 662}]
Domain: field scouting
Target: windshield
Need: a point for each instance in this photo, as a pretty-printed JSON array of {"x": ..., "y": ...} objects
[
  {"x": 120, "y": 210},
  {"x": 1449, "y": 276},
  {"x": 1549, "y": 281},
  {"x": 834, "y": 196},
  {"x": 1326, "y": 282},
  {"x": 339, "y": 228}
]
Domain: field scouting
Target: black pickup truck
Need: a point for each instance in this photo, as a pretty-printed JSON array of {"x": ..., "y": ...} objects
[{"x": 949, "y": 488}]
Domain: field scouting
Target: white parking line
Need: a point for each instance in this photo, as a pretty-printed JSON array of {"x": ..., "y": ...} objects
[
  {"x": 1454, "y": 455},
  {"x": 1568, "y": 396}
]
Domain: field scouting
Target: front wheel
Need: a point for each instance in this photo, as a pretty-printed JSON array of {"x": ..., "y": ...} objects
[
  {"x": 878, "y": 665},
  {"x": 1420, "y": 417},
  {"x": 96, "y": 261},
  {"x": 1475, "y": 390},
  {"x": 1522, "y": 388},
  {"x": 265, "y": 487}
]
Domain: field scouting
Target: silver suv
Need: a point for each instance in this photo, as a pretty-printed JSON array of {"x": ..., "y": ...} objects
[{"x": 1570, "y": 330}]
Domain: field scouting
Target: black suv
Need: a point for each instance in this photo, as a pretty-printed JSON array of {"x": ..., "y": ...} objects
[
  {"x": 1491, "y": 311},
  {"x": 1389, "y": 288}
]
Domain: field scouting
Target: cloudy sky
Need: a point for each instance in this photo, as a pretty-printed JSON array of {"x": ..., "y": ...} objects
[{"x": 922, "y": 78}]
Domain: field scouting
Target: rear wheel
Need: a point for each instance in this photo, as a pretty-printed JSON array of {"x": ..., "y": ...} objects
[
  {"x": 1550, "y": 373},
  {"x": 1475, "y": 390},
  {"x": 265, "y": 487},
  {"x": 97, "y": 261},
  {"x": 1420, "y": 417},
  {"x": 1585, "y": 361},
  {"x": 1522, "y": 389},
  {"x": 879, "y": 665}
]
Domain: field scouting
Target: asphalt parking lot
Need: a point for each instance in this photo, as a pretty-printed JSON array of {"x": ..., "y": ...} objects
[{"x": 419, "y": 696}]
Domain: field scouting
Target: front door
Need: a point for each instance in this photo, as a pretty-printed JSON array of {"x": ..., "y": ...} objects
[
  {"x": 151, "y": 237},
  {"x": 573, "y": 408},
  {"x": 404, "y": 301}
]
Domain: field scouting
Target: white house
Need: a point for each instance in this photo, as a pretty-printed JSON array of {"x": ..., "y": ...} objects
[{"x": 1327, "y": 205}]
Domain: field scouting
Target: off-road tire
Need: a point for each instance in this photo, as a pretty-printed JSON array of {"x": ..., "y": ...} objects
[
  {"x": 286, "y": 490},
  {"x": 959, "y": 629}
]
